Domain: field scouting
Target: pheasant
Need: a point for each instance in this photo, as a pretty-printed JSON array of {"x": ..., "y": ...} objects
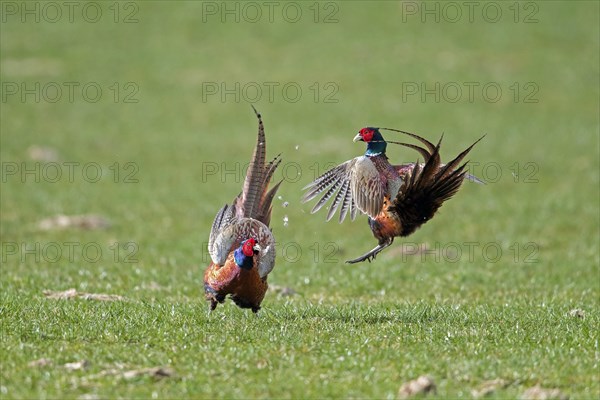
[
  {"x": 241, "y": 244},
  {"x": 397, "y": 198}
]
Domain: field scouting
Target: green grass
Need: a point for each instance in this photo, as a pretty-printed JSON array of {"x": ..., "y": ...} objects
[{"x": 350, "y": 331}]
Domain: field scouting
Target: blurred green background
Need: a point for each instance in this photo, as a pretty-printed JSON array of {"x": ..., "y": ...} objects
[{"x": 176, "y": 81}]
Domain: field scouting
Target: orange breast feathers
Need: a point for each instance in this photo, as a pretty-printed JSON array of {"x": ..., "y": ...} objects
[
  {"x": 231, "y": 279},
  {"x": 385, "y": 225}
]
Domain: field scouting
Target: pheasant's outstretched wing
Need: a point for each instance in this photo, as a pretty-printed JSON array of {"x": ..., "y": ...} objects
[
  {"x": 356, "y": 184},
  {"x": 219, "y": 245},
  {"x": 366, "y": 186}
]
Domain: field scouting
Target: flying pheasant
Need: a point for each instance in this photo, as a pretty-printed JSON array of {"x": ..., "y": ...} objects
[
  {"x": 397, "y": 198},
  {"x": 241, "y": 244}
]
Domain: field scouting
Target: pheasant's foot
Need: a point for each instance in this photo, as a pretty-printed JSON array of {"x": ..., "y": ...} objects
[{"x": 371, "y": 254}]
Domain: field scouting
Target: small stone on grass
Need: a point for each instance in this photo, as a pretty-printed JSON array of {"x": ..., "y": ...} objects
[
  {"x": 86, "y": 222},
  {"x": 41, "y": 153},
  {"x": 539, "y": 393},
  {"x": 578, "y": 313},
  {"x": 42, "y": 362},
  {"x": 73, "y": 293},
  {"x": 421, "y": 385},
  {"x": 77, "y": 365},
  {"x": 488, "y": 387}
]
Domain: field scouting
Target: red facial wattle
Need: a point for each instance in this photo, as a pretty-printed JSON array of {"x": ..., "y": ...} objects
[
  {"x": 248, "y": 247},
  {"x": 366, "y": 134}
]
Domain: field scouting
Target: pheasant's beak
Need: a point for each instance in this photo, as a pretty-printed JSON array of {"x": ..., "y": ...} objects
[
  {"x": 358, "y": 138},
  {"x": 256, "y": 248}
]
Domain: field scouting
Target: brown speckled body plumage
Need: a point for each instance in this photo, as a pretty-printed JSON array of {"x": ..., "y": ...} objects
[{"x": 245, "y": 287}]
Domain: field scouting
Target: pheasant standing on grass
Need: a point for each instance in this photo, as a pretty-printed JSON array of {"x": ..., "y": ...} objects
[
  {"x": 241, "y": 244},
  {"x": 397, "y": 198}
]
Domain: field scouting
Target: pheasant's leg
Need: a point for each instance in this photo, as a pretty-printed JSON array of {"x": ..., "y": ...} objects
[
  {"x": 214, "y": 299},
  {"x": 371, "y": 254}
]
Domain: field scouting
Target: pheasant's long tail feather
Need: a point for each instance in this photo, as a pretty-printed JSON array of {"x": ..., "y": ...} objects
[
  {"x": 255, "y": 200},
  {"x": 430, "y": 146},
  {"x": 426, "y": 154},
  {"x": 254, "y": 183},
  {"x": 264, "y": 209},
  {"x": 427, "y": 188},
  {"x": 270, "y": 169},
  {"x": 445, "y": 169},
  {"x": 448, "y": 168},
  {"x": 264, "y": 214},
  {"x": 430, "y": 169}
]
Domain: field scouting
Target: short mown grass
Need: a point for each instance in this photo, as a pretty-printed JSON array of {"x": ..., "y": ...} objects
[{"x": 484, "y": 291}]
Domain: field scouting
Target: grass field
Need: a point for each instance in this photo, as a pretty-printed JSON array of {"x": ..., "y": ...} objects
[{"x": 154, "y": 136}]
